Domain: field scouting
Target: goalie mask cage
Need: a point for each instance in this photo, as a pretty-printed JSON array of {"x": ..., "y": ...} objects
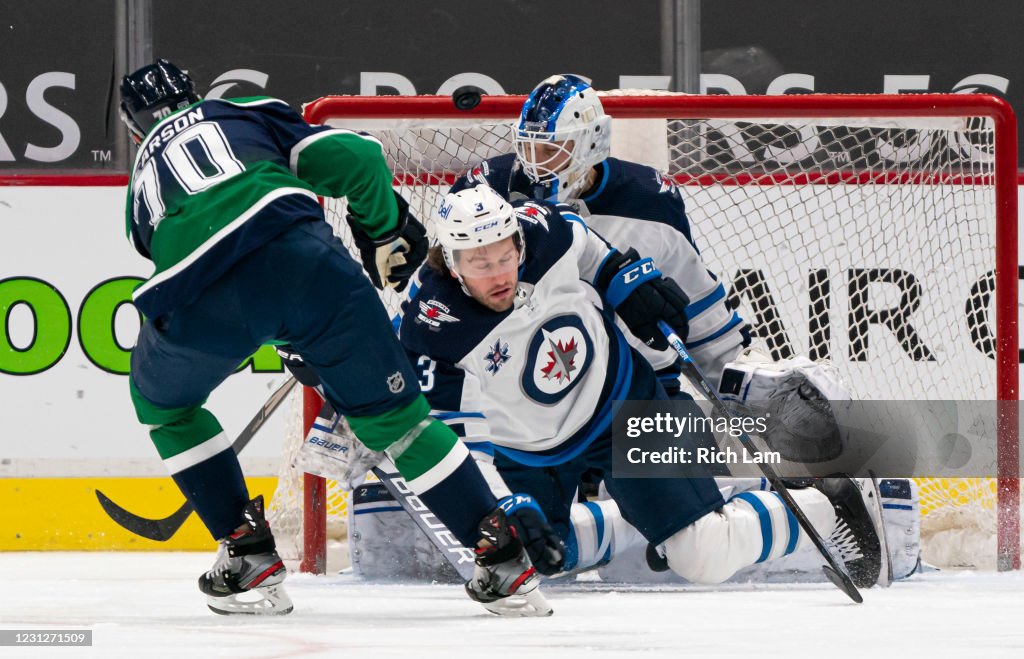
[{"x": 875, "y": 231}]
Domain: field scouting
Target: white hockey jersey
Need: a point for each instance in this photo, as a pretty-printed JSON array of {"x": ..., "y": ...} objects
[
  {"x": 539, "y": 379},
  {"x": 636, "y": 206}
]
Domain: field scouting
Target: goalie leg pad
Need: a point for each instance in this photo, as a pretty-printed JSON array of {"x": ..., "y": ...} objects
[{"x": 751, "y": 528}]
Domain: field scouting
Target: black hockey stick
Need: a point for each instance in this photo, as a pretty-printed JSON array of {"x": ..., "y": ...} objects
[
  {"x": 836, "y": 569},
  {"x": 161, "y": 530}
]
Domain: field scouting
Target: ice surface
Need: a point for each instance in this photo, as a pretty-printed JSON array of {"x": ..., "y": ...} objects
[{"x": 147, "y": 605}]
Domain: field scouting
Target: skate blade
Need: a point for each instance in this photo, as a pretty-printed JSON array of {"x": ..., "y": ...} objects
[
  {"x": 521, "y": 605},
  {"x": 263, "y": 601}
]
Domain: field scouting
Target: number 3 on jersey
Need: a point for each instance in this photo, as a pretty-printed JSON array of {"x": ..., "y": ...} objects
[{"x": 426, "y": 366}]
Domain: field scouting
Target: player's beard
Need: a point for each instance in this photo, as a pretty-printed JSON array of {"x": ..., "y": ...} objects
[
  {"x": 497, "y": 297},
  {"x": 501, "y": 298}
]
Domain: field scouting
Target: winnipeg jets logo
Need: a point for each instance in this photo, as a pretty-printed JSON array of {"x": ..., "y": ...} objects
[
  {"x": 496, "y": 357},
  {"x": 559, "y": 355},
  {"x": 533, "y": 213},
  {"x": 666, "y": 184},
  {"x": 562, "y": 359},
  {"x": 433, "y": 313}
]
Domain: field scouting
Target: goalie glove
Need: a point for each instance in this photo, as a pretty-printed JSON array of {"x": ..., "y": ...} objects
[
  {"x": 544, "y": 546},
  {"x": 636, "y": 290},
  {"x": 391, "y": 259},
  {"x": 795, "y": 397}
]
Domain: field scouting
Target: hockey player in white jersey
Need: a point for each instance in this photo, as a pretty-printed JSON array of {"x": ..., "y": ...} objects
[
  {"x": 562, "y": 153},
  {"x": 512, "y": 331},
  {"x": 563, "y": 146}
]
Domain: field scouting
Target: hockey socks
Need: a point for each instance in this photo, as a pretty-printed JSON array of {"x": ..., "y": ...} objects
[
  {"x": 752, "y": 527},
  {"x": 198, "y": 456}
]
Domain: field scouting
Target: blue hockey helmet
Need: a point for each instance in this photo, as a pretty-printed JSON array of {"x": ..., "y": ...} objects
[
  {"x": 562, "y": 134},
  {"x": 153, "y": 92}
]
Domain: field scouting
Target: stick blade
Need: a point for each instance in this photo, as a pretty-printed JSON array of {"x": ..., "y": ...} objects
[
  {"x": 160, "y": 530},
  {"x": 843, "y": 583}
]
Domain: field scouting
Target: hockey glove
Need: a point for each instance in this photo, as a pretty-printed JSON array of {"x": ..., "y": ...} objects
[
  {"x": 796, "y": 398},
  {"x": 391, "y": 259},
  {"x": 545, "y": 547},
  {"x": 636, "y": 290}
]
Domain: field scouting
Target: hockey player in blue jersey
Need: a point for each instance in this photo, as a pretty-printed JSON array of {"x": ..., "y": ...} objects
[
  {"x": 512, "y": 330},
  {"x": 223, "y": 201}
]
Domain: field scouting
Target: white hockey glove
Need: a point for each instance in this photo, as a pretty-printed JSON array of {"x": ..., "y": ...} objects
[
  {"x": 331, "y": 450},
  {"x": 391, "y": 259},
  {"x": 795, "y": 397}
]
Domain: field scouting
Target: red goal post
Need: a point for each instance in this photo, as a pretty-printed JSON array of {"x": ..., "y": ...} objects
[{"x": 430, "y": 143}]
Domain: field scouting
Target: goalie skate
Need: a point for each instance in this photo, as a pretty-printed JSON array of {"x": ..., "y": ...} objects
[
  {"x": 247, "y": 576},
  {"x": 858, "y": 537}
]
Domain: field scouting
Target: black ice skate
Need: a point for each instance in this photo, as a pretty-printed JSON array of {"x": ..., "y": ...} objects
[
  {"x": 504, "y": 580},
  {"x": 247, "y": 576},
  {"x": 859, "y": 537}
]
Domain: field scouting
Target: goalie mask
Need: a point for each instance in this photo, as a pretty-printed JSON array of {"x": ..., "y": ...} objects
[
  {"x": 562, "y": 134},
  {"x": 468, "y": 223},
  {"x": 152, "y": 93}
]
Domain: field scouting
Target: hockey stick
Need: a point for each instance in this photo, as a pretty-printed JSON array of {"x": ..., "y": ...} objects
[
  {"x": 161, "y": 530},
  {"x": 460, "y": 558},
  {"x": 836, "y": 569}
]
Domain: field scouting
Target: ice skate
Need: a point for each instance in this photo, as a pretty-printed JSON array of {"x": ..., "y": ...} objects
[
  {"x": 858, "y": 536},
  {"x": 247, "y": 576},
  {"x": 504, "y": 581}
]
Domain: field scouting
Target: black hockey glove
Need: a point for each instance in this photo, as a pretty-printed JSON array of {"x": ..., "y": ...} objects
[
  {"x": 543, "y": 545},
  {"x": 298, "y": 367},
  {"x": 391, "y": 259},
  {"x": 636, "y": 290}
]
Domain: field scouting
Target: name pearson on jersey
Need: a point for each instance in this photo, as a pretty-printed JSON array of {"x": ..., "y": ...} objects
[{"x": 172, "y": 128}]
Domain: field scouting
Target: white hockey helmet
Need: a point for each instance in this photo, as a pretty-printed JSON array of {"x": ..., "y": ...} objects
[
  {"x": 562, "y": 133},
  {"x": 473, "y": 218}
]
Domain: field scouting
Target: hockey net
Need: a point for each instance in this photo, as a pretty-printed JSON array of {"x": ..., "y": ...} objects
[{"x": 874, "y": 231}]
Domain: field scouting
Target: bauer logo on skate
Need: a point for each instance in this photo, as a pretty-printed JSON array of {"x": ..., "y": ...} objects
[{"x": 558, "y": 357}]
